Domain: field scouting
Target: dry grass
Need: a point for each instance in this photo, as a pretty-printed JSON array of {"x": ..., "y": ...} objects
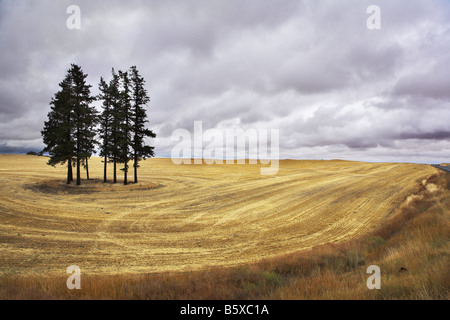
[{"x": 414, "y": 236}]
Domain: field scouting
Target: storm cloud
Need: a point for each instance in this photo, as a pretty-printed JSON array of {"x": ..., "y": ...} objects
[{"x": 312, "y": 69}]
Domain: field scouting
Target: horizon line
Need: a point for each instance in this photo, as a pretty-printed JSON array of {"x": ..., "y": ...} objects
[{"x": 267, "y": 159}]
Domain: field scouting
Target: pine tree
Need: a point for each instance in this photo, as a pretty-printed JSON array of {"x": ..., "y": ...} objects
[
  {"x": 84, "y": 116},
  {"x": 105, "y": 121},
  {"x": 69, "y": 132},
  {"x": 57, "y": 132},
  {"x": 116, "y": 121},
  {"x": 125, "y": 124},
  {"x": 139, "y": 99}
]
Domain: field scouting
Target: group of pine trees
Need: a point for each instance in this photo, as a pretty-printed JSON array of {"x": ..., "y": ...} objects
[{"x": 75, "y": 127}]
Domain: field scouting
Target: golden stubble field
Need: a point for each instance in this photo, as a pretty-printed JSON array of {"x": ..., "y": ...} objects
[{"x": 188, "y": 217}]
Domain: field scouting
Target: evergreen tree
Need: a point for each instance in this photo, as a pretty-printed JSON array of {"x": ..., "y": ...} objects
[
  {"x": 139, "y": 99},
  {"x": 57, "y": 132},
  {"x": 69, "y": 132},
  {"x": 116, "y": 122},
  {"x": 105, "y": 121},
  {"x": 125, "y": 124},
  {"x": 84, "y": 116}
]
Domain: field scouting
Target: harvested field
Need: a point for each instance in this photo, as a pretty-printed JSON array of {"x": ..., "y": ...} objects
[{"x": 188, "y": 217}]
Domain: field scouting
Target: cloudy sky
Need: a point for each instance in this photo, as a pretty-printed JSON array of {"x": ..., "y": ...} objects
[{"x": 312, "y": 69}]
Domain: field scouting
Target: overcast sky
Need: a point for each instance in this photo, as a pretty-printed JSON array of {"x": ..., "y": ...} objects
[{"x": 312, "y": 69}]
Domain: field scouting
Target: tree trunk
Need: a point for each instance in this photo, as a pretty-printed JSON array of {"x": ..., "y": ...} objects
[
  {"x": 78, "y": 150},
  {"x": 104, "y": 170},
  {"x": 135, "y": 168},
  {"x": 115, "y": 168},
  {"x": 69, "y": 172},
  {"x": 87, "y": 169},
  {"x": 78, "y": 172},
  {"x": 125, "y": 173},
  {"x": 69, "y": 165}
]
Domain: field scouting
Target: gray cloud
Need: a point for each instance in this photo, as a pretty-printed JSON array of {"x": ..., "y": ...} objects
[
  {"x": 432, "y": 84},
  {"x": 310, "y": 68}
]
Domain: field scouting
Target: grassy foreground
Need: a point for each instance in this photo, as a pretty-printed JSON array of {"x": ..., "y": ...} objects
[
  {"x": 411, "y": 248},
  {"x": 186, "y": 218}
]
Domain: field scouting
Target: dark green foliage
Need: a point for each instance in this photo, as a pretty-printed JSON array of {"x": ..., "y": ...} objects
[
  {"x": 114, "y": 95},
  {"x": 57, "y": 132},
  {"x": 84, "y": 116},
  {"x": 139, "y": 98},
  {"x": 106, "y": 122},
  {"x": 123, "y": 149},
  {"x": 69, "y": 133},
  {"x": 122, "y": 123}
]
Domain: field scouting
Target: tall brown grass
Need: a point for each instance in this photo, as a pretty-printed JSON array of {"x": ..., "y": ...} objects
[{"x": 411, "y": 249}]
